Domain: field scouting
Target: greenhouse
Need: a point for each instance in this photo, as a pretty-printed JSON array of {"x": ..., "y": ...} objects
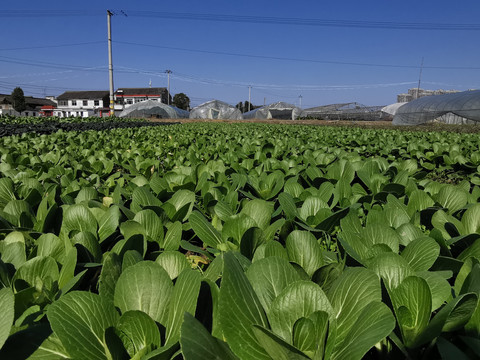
[
  {"x": 279, "y": 110},
  {"x": 154, "y": 109},
  {"x": 216, "y": 109},
  {"x": 392, "y": 108},
  {"x": 344, "y": 111},
  {"x": 458, "y": 108}
]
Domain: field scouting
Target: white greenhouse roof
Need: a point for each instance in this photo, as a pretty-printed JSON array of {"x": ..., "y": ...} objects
[
  {"x": 216, "y": 109},
  {"x": 459, "y": 108},
  {"x": 278, "y": 110},
  {"x": 154, "y": 108}
]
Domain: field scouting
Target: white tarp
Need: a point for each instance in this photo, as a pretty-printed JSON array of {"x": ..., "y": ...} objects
[
  {"x": 154, "y": 108},
  {"x": 279, "y": 110},
  {"x": 392, "y": 108},
  {"x": 457, "y": 108},
  {"x": 216, "y": 109}
]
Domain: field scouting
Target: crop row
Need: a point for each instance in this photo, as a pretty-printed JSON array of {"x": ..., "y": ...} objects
[
  {"x": 30, "y": 120},
  {"x": 51, "y": 127},
  {"x": 247, "y": 241}
]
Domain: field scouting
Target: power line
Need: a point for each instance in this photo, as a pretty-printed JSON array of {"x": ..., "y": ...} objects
[
  {"x": 210, "y": 81},
  {"x": 48, "y": 13},
  {"x": 38, "y": 87},
  {"x": 296, "y": 87},
  {"x": 46, "y": 64},
  {"x": 249, "y": 19},
  {"x": 53, "y": 46},
  {"x": 38, "y": 63},
  {"x": 333, "y": 62},
  {"x": 303, "y": 21}
]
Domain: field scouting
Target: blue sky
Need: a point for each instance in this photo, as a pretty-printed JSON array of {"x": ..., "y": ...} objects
[{"x": 47, "y": 55}]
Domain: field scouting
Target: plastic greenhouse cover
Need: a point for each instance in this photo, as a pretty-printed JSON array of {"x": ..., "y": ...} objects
[
  {"x": 153, "y": 108},
  {"x": 457, "y": 108},
  {"x": 278, "y": 110},
  {"x": 216, "y": 109},
  {"x": 392, "y": 108}
]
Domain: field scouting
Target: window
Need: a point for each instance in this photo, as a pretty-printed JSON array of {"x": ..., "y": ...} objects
[
  {"x": 85, "y": 102},
  {"x": 74, "y": 102},
  {"x": 96, "y": 102},
  {"x": 63, "y": 103},
  {"x": 129, "y": 101}
]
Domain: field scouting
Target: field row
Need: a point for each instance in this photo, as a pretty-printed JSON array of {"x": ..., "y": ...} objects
[{"x": 240, "y": 241}]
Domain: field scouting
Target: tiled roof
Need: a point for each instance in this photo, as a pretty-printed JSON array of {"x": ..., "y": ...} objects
[
  {"x": 83, "y": 95},
  {"x": 30, "y": 101},
  {"x": 141, "y": 91}
]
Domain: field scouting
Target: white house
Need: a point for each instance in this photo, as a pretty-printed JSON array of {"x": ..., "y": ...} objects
[
  {"x": 83, "y": 104},
  {"x": 129, "y": 96}
]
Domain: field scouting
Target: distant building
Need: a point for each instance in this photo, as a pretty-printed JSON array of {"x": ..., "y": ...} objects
[
  {"x": 83, "y": 103},
  {"x": 34, "y": 106},
  {"x": 416, "y": 93},
  {"x": 129, "y": 96}
]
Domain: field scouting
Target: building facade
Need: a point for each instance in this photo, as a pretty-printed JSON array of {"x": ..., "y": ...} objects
[
  {"x": 416, "y": 93},
  {"x": 83, "y": 104},
  {"x": 129, "y": 96}
]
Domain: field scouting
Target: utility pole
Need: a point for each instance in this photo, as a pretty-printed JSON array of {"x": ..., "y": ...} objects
[
  {"x": 249, "y": 96},
  {"x": 419, "y": 79},
  {"x": 300, "y": 98},
  {"x": 168, "y": 82},
  {"x": 110, "y": 64}
]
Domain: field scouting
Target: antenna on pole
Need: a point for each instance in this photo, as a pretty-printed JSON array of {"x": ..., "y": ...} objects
[
  {"x": 419, "y": 80},
  {"x": 249, "y": 96}
]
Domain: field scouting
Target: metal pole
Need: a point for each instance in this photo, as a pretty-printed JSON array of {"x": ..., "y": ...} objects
[
  {"x": 419, "y": 79},
  {"x": 110, "y": 64},
  {"x": 300, "y": 97},
  {"x": 249, "y": 96},
  {"x": 168, "y": 76}
]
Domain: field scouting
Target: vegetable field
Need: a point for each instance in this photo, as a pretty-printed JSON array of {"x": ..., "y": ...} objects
[{"x": 240, "y": 241}]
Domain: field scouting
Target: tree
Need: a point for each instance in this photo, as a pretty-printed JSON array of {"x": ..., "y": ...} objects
[
  {"x": 18, "y": 100},
  {"x": 243, "y": 107},
  {"x": 181, "y": 101},
  {"x": 239, "y": 106}
]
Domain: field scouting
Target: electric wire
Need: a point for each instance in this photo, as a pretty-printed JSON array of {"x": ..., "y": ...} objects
[
  {"x": 53, "y": 46},
  {"x": 303, "y": 21},
  {"x": 334, "y": 62},
  {"x": 250, "y": 19}
]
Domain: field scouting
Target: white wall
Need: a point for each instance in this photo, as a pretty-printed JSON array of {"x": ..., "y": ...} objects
[
  {"x": 73, "y": 112},
  {"x": 90, "y": 104}
]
